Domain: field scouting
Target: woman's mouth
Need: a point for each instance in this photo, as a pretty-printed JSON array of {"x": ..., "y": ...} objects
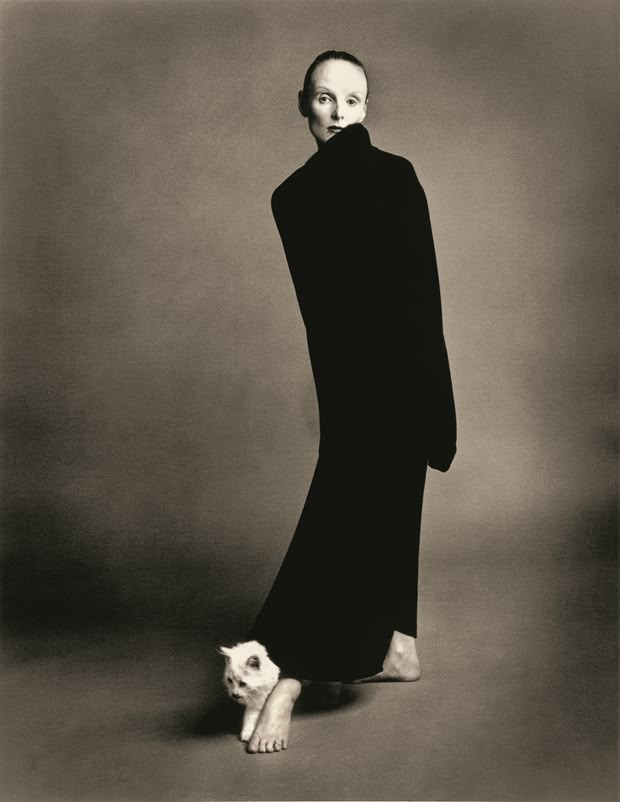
[{"x": 334, "y": 128}]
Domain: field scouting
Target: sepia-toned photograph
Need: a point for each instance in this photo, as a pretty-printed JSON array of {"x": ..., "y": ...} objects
[{"x": 309, "y": 393}]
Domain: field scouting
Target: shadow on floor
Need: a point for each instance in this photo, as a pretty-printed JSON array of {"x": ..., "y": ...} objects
[{"x": 220, "y": 716}]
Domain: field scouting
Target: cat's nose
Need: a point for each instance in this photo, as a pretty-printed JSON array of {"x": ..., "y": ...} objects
[{"x": 236, "y": 695}]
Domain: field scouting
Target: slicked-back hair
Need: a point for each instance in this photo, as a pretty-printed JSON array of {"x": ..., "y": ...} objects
[{"x": 331, "y": 55}]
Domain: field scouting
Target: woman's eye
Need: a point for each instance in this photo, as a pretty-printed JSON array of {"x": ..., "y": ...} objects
[
  {"x": 352, "y": 101},
  {"x": 324, "y": 99}
]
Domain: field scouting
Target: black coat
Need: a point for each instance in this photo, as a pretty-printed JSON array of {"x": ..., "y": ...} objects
[{"x": 355, "y": 228}]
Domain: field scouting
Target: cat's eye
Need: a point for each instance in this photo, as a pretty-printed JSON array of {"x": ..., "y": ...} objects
[
  {"x": 242, "y": 684},
  {"x": 229, "y": 679}
]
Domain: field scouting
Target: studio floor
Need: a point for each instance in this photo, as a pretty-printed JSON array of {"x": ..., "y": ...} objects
[{"x": 517, "y": 702}]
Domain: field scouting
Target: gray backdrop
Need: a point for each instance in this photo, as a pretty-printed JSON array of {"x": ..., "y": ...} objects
[{"x": 160, "y": 417}]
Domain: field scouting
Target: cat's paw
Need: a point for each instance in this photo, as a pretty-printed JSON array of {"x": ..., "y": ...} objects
[{"x": 246, "y": 734}]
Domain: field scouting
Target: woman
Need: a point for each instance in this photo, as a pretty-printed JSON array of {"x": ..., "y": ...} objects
[{"x": 356, "y": 232}]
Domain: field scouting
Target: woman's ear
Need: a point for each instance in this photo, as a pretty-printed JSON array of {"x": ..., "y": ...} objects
[
  {"x": 301, "y": 104},
  {"x": 363, "y": 117}
]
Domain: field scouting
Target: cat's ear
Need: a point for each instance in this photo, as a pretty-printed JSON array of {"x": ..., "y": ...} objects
[
  {"x": 223, "y": 650},
  {"x": 253, "y": 661}
]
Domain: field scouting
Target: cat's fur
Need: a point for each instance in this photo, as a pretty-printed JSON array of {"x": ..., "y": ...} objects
[{"x": 249, "y": 677}]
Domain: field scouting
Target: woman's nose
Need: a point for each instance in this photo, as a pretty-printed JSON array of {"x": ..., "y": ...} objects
[{"x": 338, "y": 112}]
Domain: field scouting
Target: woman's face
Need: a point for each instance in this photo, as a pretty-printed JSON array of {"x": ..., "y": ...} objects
[{"x": 337, "y": 97}]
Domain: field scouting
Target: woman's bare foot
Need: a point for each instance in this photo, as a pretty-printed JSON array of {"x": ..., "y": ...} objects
[
  {"x": 401, "y": 663},
  {"x": 271, "y": 732}
]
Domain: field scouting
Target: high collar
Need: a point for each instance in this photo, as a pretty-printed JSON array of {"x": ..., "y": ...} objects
[{"x": 352, "y": 141}]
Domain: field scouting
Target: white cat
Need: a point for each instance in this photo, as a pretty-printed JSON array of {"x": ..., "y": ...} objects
[{"x": 249, "y": 678}]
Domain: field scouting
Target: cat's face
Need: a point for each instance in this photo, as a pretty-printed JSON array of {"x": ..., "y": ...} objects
[{"x": 248, "y": 672}]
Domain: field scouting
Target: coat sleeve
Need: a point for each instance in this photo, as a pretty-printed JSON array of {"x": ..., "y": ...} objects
[{"x": 425, "y": 305}]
